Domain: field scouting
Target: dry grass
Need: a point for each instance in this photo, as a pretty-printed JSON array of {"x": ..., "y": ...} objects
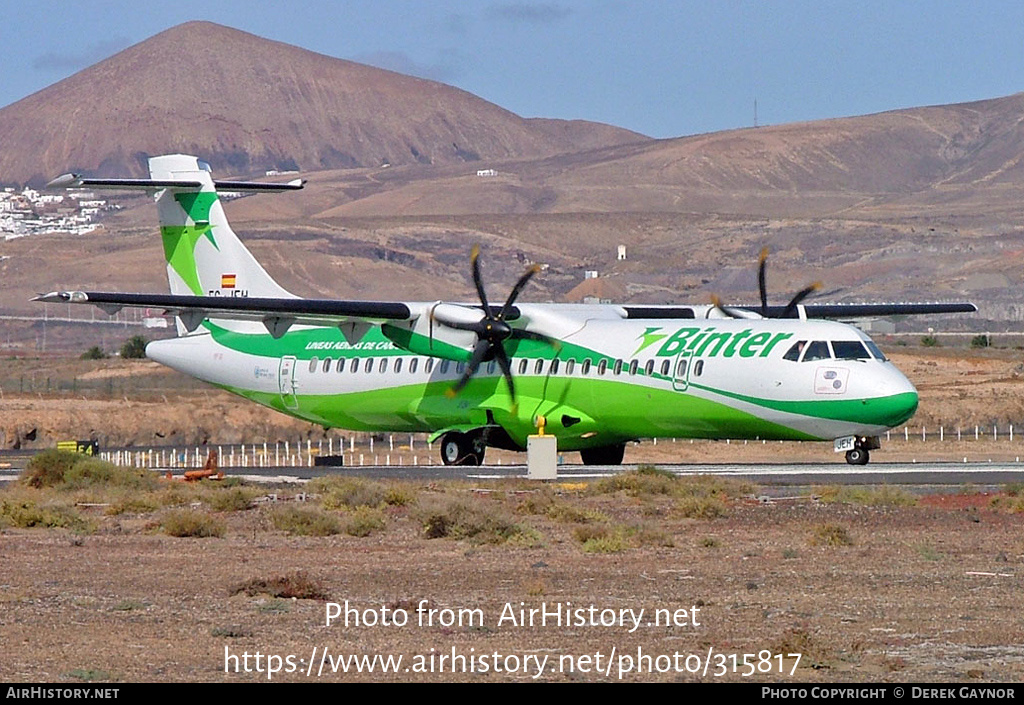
[
  {"x": 831, "y": 535},
  {"x": 306, "y": 521},
  {"x": 298, "y": 585},
  {"x": 883, "y": 496},
  {"x": 471, "y": 518},
  {"x": 190, "y": 523}
]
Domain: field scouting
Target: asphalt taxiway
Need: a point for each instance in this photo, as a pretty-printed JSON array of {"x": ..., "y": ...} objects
[
  {"x": 764, "y": 474},
  {"x": 948, "y": 473}
]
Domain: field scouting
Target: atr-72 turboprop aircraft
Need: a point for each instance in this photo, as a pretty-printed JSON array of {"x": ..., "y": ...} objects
[{"x": 477, "y": 375}]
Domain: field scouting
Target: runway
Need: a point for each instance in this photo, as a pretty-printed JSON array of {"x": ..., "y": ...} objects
[
  {"x": 765, "y": 474},
  {"x": 781, "y": 474}
]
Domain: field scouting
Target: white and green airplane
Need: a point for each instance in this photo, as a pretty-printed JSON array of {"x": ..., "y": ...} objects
[{"x": 479, "y": 375}]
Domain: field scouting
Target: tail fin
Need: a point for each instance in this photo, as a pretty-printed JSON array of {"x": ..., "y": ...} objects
[{"x": 204, "y": 256}]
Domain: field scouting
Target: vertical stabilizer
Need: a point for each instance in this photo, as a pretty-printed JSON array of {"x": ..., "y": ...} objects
[{"x": 204, "y": 256}]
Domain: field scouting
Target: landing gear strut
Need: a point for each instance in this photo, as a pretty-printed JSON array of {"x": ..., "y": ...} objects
[{"x": 462, "y": 449}]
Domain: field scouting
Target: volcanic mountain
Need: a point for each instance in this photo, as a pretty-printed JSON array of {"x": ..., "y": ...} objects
[{"x": 247, "y": 104}]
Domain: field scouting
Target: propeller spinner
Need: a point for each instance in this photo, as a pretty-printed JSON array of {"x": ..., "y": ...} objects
[{"x": 491, "y": 329}]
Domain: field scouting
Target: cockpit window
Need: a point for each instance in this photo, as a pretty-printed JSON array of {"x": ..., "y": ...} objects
[
  {"x": 793, "y": 354},
  {"x": 876, "y": 351},
  {"x": 849, "y": 350},
  {"x": 817, "y": 350},
  {"x": 203, "y": 165}
]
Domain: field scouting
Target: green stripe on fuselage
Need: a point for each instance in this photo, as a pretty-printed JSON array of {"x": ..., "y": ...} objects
[{"x": 626, "y": 411}]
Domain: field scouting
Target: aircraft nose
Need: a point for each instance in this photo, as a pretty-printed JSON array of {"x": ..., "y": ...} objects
[
  {"x": 899, "y": 405},
  {"x": 903, "y": 408}
]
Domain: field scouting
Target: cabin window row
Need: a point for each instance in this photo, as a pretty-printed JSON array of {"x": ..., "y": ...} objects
[{"x": 538, "y": 367}]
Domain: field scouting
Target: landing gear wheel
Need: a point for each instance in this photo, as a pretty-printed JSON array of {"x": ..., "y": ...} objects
[
  {"x": 606, "y": 455},
  {"x": 857, "y": 456},
  {"x": 461, "y": 449}
]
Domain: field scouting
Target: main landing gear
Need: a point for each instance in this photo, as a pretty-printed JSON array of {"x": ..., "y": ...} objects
[
  {"x": 605, "y": 455},
  {"x": 462, "y": 448}
]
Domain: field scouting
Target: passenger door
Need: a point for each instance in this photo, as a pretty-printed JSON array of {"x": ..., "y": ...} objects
[{"x": 286, "y": 382}]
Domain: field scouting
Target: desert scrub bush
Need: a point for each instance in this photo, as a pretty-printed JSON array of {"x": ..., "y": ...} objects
[
  {"x": 884, "y": 496},
  {"x": 831, "y": 535},
  {"x": 614, "y": 538},
  {"x": 571, "y": 514},
  {"x": 473, "y": 519},
  {"x": 645, "y": 535},
  {"x": 645, "y": 480},
  {"x": 693, "y": 507},
  {"x": 134, "y": 503},
  {"x": 601, "y": 538},
  {"x": 648, "y": 480},
  {"x": 536, "y": 502},
  {"x": 47, "y": 469},
  {"x": 73, "y": 471},
  {"x": 1014, "y": 489},
  {"x": 169, "y": 494},
  {"x": 228, "y": 499},
  {"x": 815, "y": 653},
  {"x": 296, "y": 584},
  {"x": 363, "y": 521},
  {"x": 25, "y": 512},
  {"x": 1013, "y": 504},
  {"x": 191, "y": 523},
  {"x": 350, "y": 492},
  {"x": 306, "y": 521}
]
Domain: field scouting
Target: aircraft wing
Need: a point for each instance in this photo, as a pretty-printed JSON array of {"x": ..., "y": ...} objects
[
  {"x": 844, "y": 311},
  {"x": 278, "y": 315},
  {"x": 832, "y": 311}
]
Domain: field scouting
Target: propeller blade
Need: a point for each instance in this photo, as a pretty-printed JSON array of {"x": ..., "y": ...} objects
[
  {"x": 506, "y": 370},
  {"x": 431, "y": 326},
  {"x": 521, "y": 334},
  {"x": 480, "y": 351},
  {"x": 717, "y": 303},
  {"x": 516, "y": 290},
  {"x": 761, "y": 285},
  {"x": 800, "y": 296},
  {"x": 474, "y": 258}
]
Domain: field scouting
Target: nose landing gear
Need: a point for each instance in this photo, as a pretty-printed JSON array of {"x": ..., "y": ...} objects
[{"x": 859, "y": 455}]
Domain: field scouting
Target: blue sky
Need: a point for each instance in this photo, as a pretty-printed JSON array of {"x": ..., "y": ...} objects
[{"x": 658, "y": 67}]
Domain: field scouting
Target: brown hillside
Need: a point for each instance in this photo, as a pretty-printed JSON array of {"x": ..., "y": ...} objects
[
  {"x": 246, "y": 104},
  {"x": 962, "y": 159}
]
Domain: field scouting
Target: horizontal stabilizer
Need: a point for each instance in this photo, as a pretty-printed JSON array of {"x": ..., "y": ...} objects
[{"x": 79, "y": 181}]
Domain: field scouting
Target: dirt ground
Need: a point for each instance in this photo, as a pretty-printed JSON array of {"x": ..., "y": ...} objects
[{"x": 863, "y": 593}]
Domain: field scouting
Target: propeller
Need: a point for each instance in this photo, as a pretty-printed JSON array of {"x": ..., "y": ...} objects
[
  {"x": 491, "y": 329},
  {"x": 762, "y": 288}
]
